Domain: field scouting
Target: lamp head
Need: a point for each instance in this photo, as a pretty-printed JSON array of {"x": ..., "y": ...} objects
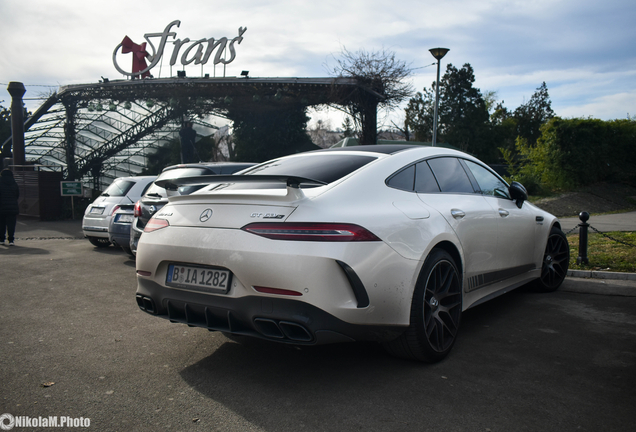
[{"x": 439, "y": 53}]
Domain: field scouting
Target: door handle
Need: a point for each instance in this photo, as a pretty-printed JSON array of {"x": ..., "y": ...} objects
[
  {"x": 457, "y": 214},
  {"x": 503, "y": 213}
]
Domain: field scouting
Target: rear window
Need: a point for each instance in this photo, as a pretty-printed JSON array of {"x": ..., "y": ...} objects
[
  {"x": 184, "y": 172},
  {"x": 156, "y": 191},
  {"x": 118, "y": 188},
  {"x": 326, "y": 168}
]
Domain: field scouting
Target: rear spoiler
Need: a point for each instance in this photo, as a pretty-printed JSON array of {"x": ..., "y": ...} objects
[{"x": 291, "y": 181}]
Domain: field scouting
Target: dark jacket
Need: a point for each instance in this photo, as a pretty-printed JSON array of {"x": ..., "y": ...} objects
[{"x": 9, "y": 193}]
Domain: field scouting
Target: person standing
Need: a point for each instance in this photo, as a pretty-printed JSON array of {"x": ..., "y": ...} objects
[
  {"x": 188, "y": 136},
  {"x": 9, "y": 193}
]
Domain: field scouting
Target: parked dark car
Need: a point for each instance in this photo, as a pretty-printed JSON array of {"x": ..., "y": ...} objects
[
  {"x": 119, "y": 228},
  {"x": 156, "y": 196}
]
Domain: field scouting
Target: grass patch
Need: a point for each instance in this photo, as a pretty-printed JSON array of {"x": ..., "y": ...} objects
[{"x": 606, "y": 254}]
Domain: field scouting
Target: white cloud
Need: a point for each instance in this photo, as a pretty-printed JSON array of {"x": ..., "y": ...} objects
[{"x": 583, "y": 50}]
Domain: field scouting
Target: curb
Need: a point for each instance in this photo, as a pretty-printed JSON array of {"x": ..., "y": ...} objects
[{"x": 592, "y": 274}]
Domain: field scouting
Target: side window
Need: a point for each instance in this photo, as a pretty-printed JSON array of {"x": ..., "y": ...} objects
[
  {"x": 450, "y": 175},
  {"x": 424, "y": 179},
  {"x": 403, "y": 180},
  {"x": 489, "y": 183}
]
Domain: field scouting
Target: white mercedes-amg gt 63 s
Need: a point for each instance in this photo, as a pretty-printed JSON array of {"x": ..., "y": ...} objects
[{"x": 389, "y": 243}]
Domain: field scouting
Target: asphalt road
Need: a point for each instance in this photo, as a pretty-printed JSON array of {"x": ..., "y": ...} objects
[
  {"x": 604, "y": 223},
  {"x": 73, "y": 343}
]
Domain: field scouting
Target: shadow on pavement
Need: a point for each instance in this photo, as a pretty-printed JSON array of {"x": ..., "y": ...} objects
[{"x": 22, "y": 250}]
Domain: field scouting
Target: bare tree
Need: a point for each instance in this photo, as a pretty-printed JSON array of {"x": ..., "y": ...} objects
[{"x": 384, "y": 80}]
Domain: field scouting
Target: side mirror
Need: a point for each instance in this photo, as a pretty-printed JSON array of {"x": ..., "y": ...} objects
[{"x": 518, "y": 193}]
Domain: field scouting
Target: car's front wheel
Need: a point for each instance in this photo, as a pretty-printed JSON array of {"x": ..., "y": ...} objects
[
  {"x": 99, "y": 241},
  {"x": 435, "y": 312},
  {"x": 556, "y": 260}
]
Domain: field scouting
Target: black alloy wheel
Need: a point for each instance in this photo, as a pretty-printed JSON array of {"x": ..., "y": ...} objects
[
  {"x": 556, "y": 260},
  {"x": 435, "y": 312}
]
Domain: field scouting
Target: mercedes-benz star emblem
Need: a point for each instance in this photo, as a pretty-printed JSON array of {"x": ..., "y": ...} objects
[{"x": 207, "y": 214}]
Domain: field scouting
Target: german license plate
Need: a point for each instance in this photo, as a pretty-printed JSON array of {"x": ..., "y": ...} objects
[
  {"x": 124, "y": 218},
  {"x": 204, "y": 279}
]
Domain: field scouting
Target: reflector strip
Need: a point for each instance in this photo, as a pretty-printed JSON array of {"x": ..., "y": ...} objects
[{"x": 277, "y": 291}]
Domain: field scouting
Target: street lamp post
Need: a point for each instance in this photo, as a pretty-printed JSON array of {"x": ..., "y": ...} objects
[{"x": 438, "y": 53}]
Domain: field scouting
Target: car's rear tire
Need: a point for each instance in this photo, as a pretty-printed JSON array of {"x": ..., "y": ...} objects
[
  {"x": 435, "y": 312},
  {"x": 99, "y": 241},
  {"x": 556, "y": 260}
]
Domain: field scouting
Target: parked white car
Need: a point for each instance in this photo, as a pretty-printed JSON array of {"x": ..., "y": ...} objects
[
  {"x": 389, "y": 243},
  {"x": 123, "y": 191}
]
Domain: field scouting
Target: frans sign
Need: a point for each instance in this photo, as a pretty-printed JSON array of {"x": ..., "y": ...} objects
[{"x": 198, "y": 51}]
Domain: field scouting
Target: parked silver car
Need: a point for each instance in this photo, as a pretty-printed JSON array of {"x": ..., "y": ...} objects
[{"x": 124, "y": 191}]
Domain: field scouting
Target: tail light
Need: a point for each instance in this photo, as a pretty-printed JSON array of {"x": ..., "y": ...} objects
[
  {"x": 115, "y": 209},
  {"x": 156, "y": 224},
  {"x": 300, "y": 231},
  {"x": 137, "y": 209}
]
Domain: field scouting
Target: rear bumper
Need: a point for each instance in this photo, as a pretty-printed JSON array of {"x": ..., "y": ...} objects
[
  {"x": 119, "y": 234},
  {"x": 313, "y": 270},
  {"x": 93, "y": 231},
  {"x": 95, "y": 226},
  {"x": 275, "y": 319}
]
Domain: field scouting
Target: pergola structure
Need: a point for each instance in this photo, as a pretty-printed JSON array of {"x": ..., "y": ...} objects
[{"x": 97, "y": 132}]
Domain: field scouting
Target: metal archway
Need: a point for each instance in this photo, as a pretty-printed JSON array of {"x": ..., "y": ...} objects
[{"x": 98, "y": 132}]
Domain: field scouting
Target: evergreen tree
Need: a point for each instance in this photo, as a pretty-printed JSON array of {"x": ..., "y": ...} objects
[
  {"x": 533, "y": 114},
  {"x": 347, "y": 128},
  {"x": 463, "y": 116}
]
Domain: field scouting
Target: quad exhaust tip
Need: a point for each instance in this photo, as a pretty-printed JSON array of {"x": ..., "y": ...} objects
[{"x": 282, "y": 330}]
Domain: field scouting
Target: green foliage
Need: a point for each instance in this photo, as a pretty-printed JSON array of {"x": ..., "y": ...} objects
[
  {"x": 526, "y": 174},
  {"x": 267, "y": 134},
  {"x": 578, "y": 152},
  {"x": 605, "y": 253}
]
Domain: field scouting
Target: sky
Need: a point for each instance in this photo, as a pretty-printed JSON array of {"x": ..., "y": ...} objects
[{"x": 584, "y": 50}]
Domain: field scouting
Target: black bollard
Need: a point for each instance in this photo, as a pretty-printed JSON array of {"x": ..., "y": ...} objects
[{"x": 582, "y": 258}]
